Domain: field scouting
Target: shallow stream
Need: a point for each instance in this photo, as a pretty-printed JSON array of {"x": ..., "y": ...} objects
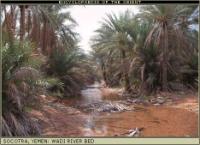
[{"x": 154, "y": 120}]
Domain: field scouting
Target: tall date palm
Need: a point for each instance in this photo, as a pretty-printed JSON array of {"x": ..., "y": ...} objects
[{"x": 165, "y": 23}]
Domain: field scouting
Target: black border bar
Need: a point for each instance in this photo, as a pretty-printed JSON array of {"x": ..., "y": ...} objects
[
  {"x": 169, "y": 1},
  {"x": 101, "y": 1},
  {"x": 29, "y": 2}
]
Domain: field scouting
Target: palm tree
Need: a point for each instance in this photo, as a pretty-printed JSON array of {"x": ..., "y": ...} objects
[
  {"x": 44, "y": 25},
  {"x": 114, "y": 38},
  {"x": 53, "y": 25},
  {"x": 21, "y": 78},
  {"x": 22, "y": 21},
  {"x": 9, "y": 23},
  {"x": 165, "y": 18},
  {"x": 19, "y": 90}
]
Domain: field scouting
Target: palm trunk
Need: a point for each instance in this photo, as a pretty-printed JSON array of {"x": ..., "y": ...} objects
[
  {"x": 47, "y": 39},
  {"x": 53, "y": 40},
  {"x": 164, "y": 65},
  {"x": 34, "y": 30},
  {"x": 104, "y": 74},
  {"x": 13, "y": 23},
  {"x": 22, "y": 22},
  {"x": 44, "y": 43},
  {"x": 38, "y": 40},
  {"x": 29, "y": 23},
  {"x": 10, "y": 21},
  {"x": 125, "y": 74},
  {"x": 142, "y": 85}
]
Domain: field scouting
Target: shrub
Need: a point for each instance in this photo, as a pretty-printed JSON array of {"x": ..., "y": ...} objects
[
  {"x": 66, "y": 69},
  {"x": 19, "y": 90}
]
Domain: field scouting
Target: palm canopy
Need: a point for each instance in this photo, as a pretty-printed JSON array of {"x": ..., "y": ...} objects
[
  {"x": 116, "y": 33},
  {"x": 61, "y": 21},
  {"x": 168, "y": 23},
  {"x": 117, "y": 37},
  {"x": 143, "y": 43}
]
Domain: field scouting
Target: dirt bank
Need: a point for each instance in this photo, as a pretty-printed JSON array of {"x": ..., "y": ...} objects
[
  {"x": 177, "y": 118},
  {"x": 155, "y": 121}
]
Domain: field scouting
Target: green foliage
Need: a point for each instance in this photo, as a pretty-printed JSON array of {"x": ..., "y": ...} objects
[
  {"x": 69, "y": 71},
  {"x": 13, "y": 56},
  {"x": 150, "y": 70},
  {"x": 54, "y": 82},
  {"x": 34, "y": 62},
  {"x": 189, "y": 71},
  {"x": 66, "y": 68},
  {"x": 19, "y": 90},
  {"x": 149, "y": 49},
  {"x": 55, "y": 86},
  {"x": 138, "y": 52},
  {"x": 61, "y": 62}
]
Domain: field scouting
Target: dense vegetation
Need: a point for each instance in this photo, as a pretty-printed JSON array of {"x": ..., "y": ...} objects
[
  {"x": 40, "y": 56},
  {"x": 157, "y": 49},
  {"x": 153, "y": 50}
]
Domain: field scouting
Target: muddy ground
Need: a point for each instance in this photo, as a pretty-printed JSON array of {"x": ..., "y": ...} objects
[{"x": 177, "y": 116}]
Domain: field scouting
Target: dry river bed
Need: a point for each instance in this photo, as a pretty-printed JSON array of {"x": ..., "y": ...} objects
[{"x": 177, "y": 116}]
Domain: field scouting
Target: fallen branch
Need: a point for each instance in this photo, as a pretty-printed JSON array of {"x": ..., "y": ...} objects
[{"x": 132, "y": 132}]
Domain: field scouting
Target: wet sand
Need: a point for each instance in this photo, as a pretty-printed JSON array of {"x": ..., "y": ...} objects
[{"x": 179, "y": 119}]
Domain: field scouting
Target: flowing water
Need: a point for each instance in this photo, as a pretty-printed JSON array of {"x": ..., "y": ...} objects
[
  {"x": 92, "y": 94},
  {"x": 156, "y": 120}
]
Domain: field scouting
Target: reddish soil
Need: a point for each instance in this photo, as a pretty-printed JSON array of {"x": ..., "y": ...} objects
[
  {"x": 155, "y": 121},
  {"x": 59, "y": 122},
  {"x": 189, "y": 103},
  {"x": 178, "y": 118}
]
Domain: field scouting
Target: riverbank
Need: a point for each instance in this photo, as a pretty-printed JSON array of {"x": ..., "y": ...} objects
[{"x": 177, "y": 117}]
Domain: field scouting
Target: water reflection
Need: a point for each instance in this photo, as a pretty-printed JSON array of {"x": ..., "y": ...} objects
[
  {"x": 152, "y": 118},
  {"x": 91, "y": 128},
  {"x": 91, "y": 95}
]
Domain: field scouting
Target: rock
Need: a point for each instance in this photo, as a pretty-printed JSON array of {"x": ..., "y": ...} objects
[
  {"x": 177, "y": 86},
  {"x": 134, "y": 132},
  {"x": 43, "y": 96},
  {"x": 134, "y": 100},
  {"x": 160, "y": 100},
  {"x": 105, "y": 107},
  {"x": 157, "y": 104}
]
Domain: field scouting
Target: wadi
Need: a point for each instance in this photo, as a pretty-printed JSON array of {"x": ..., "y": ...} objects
[{"x": 132, "y": 72}]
